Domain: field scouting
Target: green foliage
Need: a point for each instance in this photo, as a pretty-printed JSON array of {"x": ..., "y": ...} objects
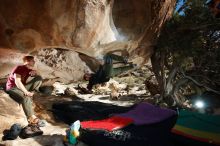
[
  {"x": 188, "y": 35},
  {"x": 191, "y": 41}
]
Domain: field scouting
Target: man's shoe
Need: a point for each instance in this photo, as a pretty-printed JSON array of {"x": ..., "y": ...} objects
[{"x": 38, "y": 122}]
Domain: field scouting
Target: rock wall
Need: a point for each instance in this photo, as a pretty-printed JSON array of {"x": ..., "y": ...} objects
[
  {"x": 9, "y": 116},
  {"x": 92, "y": 27}
]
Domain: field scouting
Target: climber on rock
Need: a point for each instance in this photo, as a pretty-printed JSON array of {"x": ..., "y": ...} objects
[{"x": 106, "y": 70}]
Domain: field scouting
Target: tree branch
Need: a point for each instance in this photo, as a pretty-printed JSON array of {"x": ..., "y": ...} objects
[
  {"x": 199, "y": 84},
  {"x": 169, "y": 85}
]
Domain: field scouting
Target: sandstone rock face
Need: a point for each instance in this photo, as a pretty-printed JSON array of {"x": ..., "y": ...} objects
[
  {"x": 92, "y": 27},
  {"x": 60, "y": 64},
  {"x": 9, "y": 116}
]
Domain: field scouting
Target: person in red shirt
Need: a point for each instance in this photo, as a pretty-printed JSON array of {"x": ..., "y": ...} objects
[{"x": 21, "y": 88}]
